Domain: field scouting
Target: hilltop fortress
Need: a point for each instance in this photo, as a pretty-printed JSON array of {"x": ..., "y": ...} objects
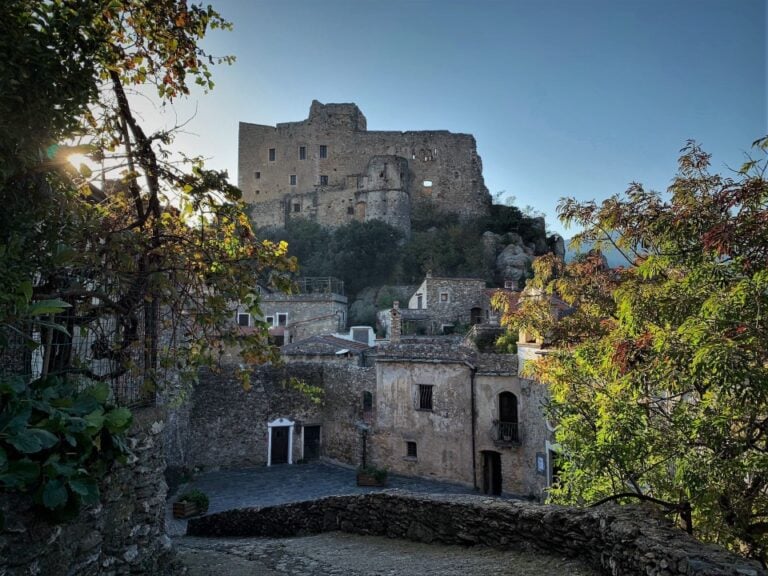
[{"x": 329, "y": 168}]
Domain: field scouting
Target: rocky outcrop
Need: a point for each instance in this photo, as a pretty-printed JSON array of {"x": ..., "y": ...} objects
[{"x": 619, "y": 541}]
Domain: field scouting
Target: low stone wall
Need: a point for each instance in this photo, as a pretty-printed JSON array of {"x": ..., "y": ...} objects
[
  {"x": 620, "y": 541},
  {"x": 124, "y": 534}
]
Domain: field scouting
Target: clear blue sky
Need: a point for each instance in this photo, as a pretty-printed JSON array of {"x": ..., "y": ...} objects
[{"x": 565, "y": 97}]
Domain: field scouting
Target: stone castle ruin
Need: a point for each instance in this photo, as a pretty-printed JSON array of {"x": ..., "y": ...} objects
[{"x": 331, "y": 169}]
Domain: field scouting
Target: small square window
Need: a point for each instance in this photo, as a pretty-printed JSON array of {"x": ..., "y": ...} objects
[
  {"x": 323, "y": 180},
  {"x": 282, "y": 319},
  {"x": 272, "y": 154},
  {"x": 444, "y": 297},
  {"x": 297, "y": 207},
  {"x": 302, "y": 152},
  {"x": 425, "y": 397},
  {"x": 257, "y": 175},
  {"x": 270, "y": 320},
  {"x": 323, "y": 151},
  {"x": 350, "y": 210},
  {"x": 293, "y": 179},
  {"x": 243, "y": 319},
  {"x": 411, "y": 450},
  {"x": 427, "y": 183}
]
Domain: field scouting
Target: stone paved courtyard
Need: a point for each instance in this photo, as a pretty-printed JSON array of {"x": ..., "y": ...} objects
[
  {"x": 268, "y": 486},
  {"x": 335, "y": 552}
]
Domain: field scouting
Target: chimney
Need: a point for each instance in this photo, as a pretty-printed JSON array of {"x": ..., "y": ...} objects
[{"x": 394, "y": 331}]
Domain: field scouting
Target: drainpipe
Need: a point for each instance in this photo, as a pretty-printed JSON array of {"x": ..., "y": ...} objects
[{"x": 474, "y": 425}]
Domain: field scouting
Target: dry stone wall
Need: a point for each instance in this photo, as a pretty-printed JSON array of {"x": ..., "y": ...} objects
[
  {"x": 226, "y": 426},
  {"x": 619, "y": 541},
  {"x": 124, "y": 534}
]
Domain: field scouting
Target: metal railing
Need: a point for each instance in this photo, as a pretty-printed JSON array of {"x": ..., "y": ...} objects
[{"x": 506, "y": 432}]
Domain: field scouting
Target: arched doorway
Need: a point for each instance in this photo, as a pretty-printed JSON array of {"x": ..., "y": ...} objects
[{"x": 508, "y": 429}]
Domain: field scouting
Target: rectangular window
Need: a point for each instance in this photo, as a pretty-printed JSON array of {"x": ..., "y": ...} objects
[
  {"x": 293, "y": 179},
  {"x": 323, "y": 180},
  {"x": 411, "y": 450},
  {"x": 443, "y": 296},
  {"x": 272, "y": 154},
  {"x": 350, "y": 210},
  {"x": 243, "y": 319},
  {"x": 323, "y": 151},
  {"x": 257, "y": 175},
  {"x": 302, "y": 152},
  {"x": 270, "y": 320},
  {"x": 297, "y": 207},
  {"x": 282, "y": 319},
  {"x": 425, "y": 397}
]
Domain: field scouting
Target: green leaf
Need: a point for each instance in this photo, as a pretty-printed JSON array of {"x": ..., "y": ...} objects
[
  {"x": 54, "y": 494},
  {"x": 25, "y": 442},
  {"x": 20, "y": 473},
  {"x": 86, "y": 488},
  {"x": 118, "y": 420},
  {"x": 100, "y": 392},
  {"x": 47, "y": 307},
  {"x": 95, "y": 419}
]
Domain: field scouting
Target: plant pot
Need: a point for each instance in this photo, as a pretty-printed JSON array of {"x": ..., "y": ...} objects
[
  {"x": 186, "y": 509},
  {"x": 364, "y": 479}
]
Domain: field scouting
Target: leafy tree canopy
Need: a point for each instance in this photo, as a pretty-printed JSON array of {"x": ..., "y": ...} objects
[
  {"x": 125, "y": 275},
  {"x": 659, "y": 381}
]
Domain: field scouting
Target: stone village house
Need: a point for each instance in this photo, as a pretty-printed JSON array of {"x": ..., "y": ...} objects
[{"x": 433, "y": 407}]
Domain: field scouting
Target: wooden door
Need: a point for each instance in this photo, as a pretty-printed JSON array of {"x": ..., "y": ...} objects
[{"x": 280, "y": 444}]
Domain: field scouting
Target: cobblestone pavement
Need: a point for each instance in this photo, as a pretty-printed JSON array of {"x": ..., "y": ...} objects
[
  {"x": 337, "y": 553},
  {"x": 268, "y": 486}
]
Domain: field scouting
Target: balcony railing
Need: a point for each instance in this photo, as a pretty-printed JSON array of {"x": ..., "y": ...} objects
[{"x": 506, "y": 432}]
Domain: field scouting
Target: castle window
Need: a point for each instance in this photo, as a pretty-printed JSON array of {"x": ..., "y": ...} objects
[
  {"x": 297, "y": 207},
  {"x": 293, "y": 179},
  {"x": 258, "y": 192},
  {"x": 282, "y": 319},
  {"x": 323, "y": 180},
  {"x": 367, "y": 402},
  {"x": 427, "y": 183},
  {"x": 243, "y": 319},
  {"x": 323, "y": 151},
  {"x": 424, "y": 400},
  {"x": 302, "y": 152},
  {"x": 257, "y": 175},
  {"x": 410, "y": 450},
  {"x": 350, "y": 210},
  {"x": 272, "y": 154}
]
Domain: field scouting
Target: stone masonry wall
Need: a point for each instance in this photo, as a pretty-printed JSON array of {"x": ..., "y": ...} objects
[
  {"x": 619, "y": 541},
  {"x": 442, "y": 167},
  {"x": 124, "y": 534},
  {"x": 227, "y": 425}
]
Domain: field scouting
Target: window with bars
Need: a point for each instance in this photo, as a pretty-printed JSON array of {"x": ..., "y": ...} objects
[
  {"x": 424, "y": 399},
  {"x": 302, "y": 152},
  {"x": 243, "y": 319},
  {"x": 323, "y": 180},
  {"x": 411, "y": 450},
  {"x": 323, "y": 151},
  {"x": 272, "y": 154}
]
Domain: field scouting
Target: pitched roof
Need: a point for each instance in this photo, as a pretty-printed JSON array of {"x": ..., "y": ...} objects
[{"x": 323, "y": 345}]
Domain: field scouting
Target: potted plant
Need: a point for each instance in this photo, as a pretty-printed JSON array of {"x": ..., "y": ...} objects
[
  {"x": 371, "y": 476},
  {"x": 190, "y": 503}
]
